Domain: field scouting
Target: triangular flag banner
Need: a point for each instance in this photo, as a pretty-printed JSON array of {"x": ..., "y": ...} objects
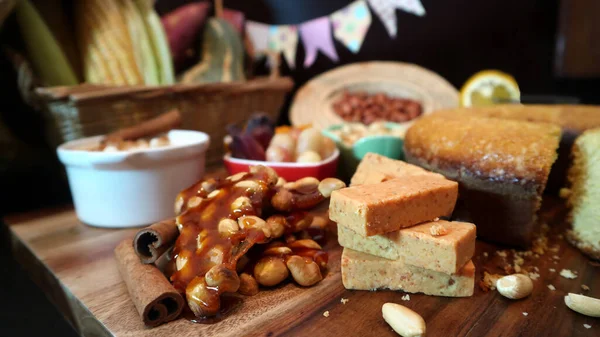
[
  {"x": 316, "y": 35},
  {"x": 285, "y": 39},
  {"x": 259, "y": 35},
  {"x": 350, "y": 24},
  {"x": 235, "y": 18},
  {"x": 386, "y": 10},
  {"x": 411, "y": 6}
]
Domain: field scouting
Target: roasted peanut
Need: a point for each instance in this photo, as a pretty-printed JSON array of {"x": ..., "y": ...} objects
[
  {"x": 241, "y": 264},
  {"x": 248, "y": 285},
  {"x": 309, "y": 140},
  {"x": 514, "y": 286},
  {"x": 306, "y": 185},
  {"x": 328, "y": 185},
  {"x": 194, "y": 202},
  {"x": 292, "y": 200},
  {"x": 277, "y": 251},
  {"x": 276, "y": 224},
  {"x": 271, "y": 174},
  {"x": 208, "y": 186},
  {"x": 179, "y": 204},
  {"x": 584, "y": 305},
  {"x": 240, "y": 203},
  {"x": 215, "y": 255},
  {"x": 304, "y": 271},
  {"x": 251, "y": 221},
  {"x": 305, "y": 243},
  {"x": 280, "y": 182},
  {"x": 237, "y": 177},
  {"x": 225, "y": 279},
  {"x": 250, "y": 185},
  {"x": 228, "y": 227},
  {"x": 309, "y": 157},
  {"x": 404, "y": 321},
  {"x": 213, "y": 194},
  {"x": 202, "y": 300},
  {"x": 270, "y": 271}
]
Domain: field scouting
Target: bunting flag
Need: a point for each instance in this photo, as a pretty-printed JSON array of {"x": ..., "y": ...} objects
[
  {"x": 235, "y": 18},
  {"x": 259, "y": 35},
  {"x": 350, "y": 24},
  {"x": 386, "y": 10},
  {"x": 316, "y": 36},
  {"x": 284, "y": 39}
]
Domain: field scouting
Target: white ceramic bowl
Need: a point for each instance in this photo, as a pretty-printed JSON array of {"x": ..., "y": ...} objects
[{"x": 132, "y": 188}]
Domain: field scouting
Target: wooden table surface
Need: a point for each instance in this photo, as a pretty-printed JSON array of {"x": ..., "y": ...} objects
[{"x": 74, "y": 264}]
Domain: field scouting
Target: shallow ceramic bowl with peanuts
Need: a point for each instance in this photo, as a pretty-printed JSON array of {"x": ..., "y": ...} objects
[
  {"x": 355, "y": 140},
  {"x": 133, "y": 187},
  {"x": 289, "y": 171}
]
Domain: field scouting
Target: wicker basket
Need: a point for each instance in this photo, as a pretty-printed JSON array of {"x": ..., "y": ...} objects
[{"x": 89, "y": 110}]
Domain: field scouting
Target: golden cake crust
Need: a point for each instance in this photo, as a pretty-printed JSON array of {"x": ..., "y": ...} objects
[
  {"x": 513, "y": 152},
  {"x": 572, "y": 117}
]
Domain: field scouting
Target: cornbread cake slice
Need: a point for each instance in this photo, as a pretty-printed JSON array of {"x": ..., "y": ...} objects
[
  {"x": 584, "y": 194},
  {"x": 362, "y": 271},
  {"x": 394, "y": 204},
  {"x": 375, "y": 168},
  {"x": 502, "y": 167},
  {"x": 573, "y": 119},
  {"x": 437, "y": 245}
]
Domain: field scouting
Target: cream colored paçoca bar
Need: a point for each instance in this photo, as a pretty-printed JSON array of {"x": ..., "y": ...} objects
[
  {"x": 442, "y": 246},
  {"x": 375, "y": 168},
  {"x": 389, "y": 206},
  {"x": 362, "y": 271}
]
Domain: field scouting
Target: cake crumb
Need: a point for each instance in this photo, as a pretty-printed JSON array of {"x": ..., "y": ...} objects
[
  {"x": 552, "y": 270},
  {"x": 551, "y": 287},
  {"x": 438, "y": 230},
  {"x": 585, "y": 288},
  {"x": 587, "y": 326},
  {"x": 556, "y": 257},
  {"x": 534, "y": 276},
  {"x": 536, "y": 268},
  {"x": 554, "y": 249},
  {"x": 501, "y": 253},
  {"x": 485, "y": 254},
  {"x": 326, "y": 314},
  {"x": 566, "y": 273},
  {"x": 525, "y": 313},
  {"x": 536, "y": 256},
  {"x": 406, "y": 297},
  {"x": 489, "y": 281},
  {"x": 344, "y": 300}
]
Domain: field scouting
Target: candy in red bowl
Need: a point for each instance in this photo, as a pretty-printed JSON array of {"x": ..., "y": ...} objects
[{"x": 290, "y": 171}]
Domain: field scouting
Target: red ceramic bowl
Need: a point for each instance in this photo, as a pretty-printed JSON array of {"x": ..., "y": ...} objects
[{"x": 289, "y": 171}]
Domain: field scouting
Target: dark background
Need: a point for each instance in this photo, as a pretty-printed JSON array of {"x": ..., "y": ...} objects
[{"x": 455, "y": 39}]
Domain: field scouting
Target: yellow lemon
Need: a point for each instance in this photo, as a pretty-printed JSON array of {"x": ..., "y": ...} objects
[{"x": 489, "y": 87}]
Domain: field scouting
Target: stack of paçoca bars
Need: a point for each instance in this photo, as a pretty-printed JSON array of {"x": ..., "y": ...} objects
[{"x": 389, "y": 225}]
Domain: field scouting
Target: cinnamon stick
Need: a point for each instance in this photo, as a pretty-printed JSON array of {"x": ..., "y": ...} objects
[
  {"x": 155, "y": 126},
  {"x": 154, "y": 297},
  {"x": 151, "y": 242}
]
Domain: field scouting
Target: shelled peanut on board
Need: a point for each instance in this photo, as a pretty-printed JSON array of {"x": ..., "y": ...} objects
[{"x": 248, "y": 230}]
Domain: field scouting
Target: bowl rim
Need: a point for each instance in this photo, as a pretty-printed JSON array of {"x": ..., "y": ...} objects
[
  {"x": 68, "y": 146},
  {"x": 330, "y": 159},
  {"x": 327, "y": 133}
]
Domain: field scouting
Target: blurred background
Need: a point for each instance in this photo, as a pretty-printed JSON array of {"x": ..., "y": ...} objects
[{"x": 550, "y": 47}]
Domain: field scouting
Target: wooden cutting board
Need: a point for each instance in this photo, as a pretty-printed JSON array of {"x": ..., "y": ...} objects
[{"x": 74, "y": 263}]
